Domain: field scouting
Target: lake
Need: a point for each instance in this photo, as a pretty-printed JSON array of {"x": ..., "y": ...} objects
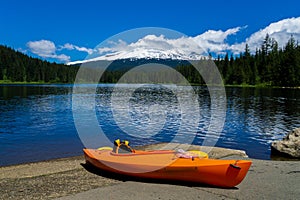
[{"x": 36, "y": 121}]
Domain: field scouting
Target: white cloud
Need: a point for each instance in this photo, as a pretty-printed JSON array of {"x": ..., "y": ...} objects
[
  {"x": 210, "y": 41},
  {"x": 62, "y": 57},
  {"x": 218, "y": 36},
  {"x": 281, "y": 31},
  {"x": 42, "y": 47},
  {"x": 215, "y": 41},
  {"x": 46, "y": 49},
  {"x": 69, "y": 46}
]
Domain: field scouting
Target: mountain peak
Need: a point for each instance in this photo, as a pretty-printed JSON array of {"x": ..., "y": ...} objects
[{"x": 144, "y": 53}]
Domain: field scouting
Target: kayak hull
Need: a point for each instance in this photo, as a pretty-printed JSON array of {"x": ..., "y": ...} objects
[{"x": 168, "y": 166}]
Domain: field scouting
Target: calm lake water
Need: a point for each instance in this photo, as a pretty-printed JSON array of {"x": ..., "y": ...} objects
[{"x": 36, "y": 121}]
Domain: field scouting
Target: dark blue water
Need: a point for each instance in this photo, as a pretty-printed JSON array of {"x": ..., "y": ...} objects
[{"x": 36, "y": 121}]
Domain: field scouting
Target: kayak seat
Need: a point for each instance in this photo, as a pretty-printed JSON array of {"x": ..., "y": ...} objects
[{"x": 125, "y": 149}]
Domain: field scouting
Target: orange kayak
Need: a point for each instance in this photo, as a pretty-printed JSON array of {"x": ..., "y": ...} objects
[{"x": 169, "y": 165}]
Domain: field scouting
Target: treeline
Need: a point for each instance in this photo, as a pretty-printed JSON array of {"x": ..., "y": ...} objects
[
  {"x": 269, "y": 66},
  {"x": 18, "y": 67}
]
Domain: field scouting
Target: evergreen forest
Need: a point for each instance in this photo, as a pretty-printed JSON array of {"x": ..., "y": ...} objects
[{"x": 270, "y": 65}]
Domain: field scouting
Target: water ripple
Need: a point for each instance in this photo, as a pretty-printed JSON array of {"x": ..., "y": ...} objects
[{"x": 36, "y": 122}]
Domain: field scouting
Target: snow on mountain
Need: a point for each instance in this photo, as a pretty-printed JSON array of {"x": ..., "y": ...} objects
[
  {"x": 143, "y": 53},
  {"x": 149, "y": 47}
]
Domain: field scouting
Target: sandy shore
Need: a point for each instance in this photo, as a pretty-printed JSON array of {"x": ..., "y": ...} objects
[{"x": 71, "y": 178}]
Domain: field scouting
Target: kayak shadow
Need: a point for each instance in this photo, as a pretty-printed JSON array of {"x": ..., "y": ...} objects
[{"x": 120, "y": 177}]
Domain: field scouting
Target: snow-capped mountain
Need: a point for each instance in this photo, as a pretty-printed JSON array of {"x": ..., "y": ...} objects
[{"x": 143, "y": 53}]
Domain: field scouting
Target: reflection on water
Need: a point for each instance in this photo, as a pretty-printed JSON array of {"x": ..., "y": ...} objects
[
  {"x": 256, "y": 117},
  {"x": 36, "y": 124},
  {"x": 36, "y": 121}
]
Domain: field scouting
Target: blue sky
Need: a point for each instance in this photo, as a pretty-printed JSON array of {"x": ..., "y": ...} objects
[{"x": 84, "y": 24}]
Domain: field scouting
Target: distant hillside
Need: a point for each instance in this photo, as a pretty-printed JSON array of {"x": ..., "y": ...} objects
[
  {"x": 269, "y": 66},
  {"x": 18, "y": 67}
]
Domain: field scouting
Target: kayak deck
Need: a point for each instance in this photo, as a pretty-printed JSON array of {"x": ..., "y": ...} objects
[{"x": 166, "y": 164}]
